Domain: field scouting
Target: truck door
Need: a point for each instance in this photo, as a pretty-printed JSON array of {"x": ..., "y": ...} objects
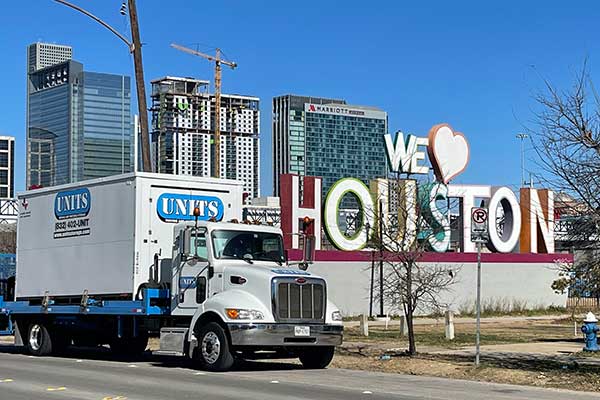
[{"x": 191, "y": 279}]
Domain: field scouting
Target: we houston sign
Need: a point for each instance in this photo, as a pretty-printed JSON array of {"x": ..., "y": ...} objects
[{"x": 528, "y": 221}]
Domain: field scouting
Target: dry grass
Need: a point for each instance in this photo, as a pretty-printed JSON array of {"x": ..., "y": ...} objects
[
  {"x": 491, "y": 333},
  {"x": 534, "y": 374}
]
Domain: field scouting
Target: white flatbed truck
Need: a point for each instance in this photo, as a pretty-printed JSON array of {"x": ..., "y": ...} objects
[{"x": 118, "y": 260}]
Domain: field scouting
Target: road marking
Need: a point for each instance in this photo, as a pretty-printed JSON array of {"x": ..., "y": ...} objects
[
  {"x": 114, "y": 398},
  {"x": 274, "y": 381},
  {"x": 367, "y": 392},
  {"x": 79, "y": 361},
  {"x": 200, "y": 373},
  {"x": 6, "y": 380},
  {"x": 132, "y": 366},
  {"x": 56, "y": 389}
]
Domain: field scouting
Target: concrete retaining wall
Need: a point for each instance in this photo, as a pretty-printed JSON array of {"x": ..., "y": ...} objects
[{"x": 524, "y": 278}]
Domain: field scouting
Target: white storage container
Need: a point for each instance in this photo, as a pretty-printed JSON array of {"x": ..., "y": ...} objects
[{"x": 101, "y": 235}]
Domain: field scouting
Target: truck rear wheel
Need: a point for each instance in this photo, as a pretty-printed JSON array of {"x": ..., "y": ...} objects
[
  {"x": 316, "y": 357},
  {"x": 39, "y": 341},
  {"x": 213, "y": 351}
]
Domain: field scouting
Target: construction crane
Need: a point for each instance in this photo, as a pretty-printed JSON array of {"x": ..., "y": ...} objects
[{"x": 218, "y": 61}]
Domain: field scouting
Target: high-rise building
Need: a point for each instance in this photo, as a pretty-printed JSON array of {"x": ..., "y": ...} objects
[
  {"x": 327, "y": 138},
  {"x": 107, "y": 133},
  {"x": 78, "y": 125},
  {"x": 183, "y": 132},
  {"x": 7, "y": 167},
  {"x": 42, "y": 55}
]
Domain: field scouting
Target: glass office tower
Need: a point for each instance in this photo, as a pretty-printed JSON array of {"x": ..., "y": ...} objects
[
  {"x": 78, "y": 125},
  {"x": 327, "y": 138},
  {"x": 107, "y": 133}
]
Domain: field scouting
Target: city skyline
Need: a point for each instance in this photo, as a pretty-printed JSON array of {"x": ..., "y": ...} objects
[{"x": 435, "y": 63}]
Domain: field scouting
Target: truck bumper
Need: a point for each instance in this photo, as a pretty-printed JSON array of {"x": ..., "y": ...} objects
[{"x": 268, "y": 335}]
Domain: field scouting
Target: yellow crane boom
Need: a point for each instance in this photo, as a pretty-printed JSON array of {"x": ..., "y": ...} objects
[{"x": 218, "y": 61}]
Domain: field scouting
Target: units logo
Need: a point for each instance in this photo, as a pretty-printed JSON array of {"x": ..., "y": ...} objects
[
  {"x": 71, "y": 209},
  {"x": 180, "y": 207},
  {"x": 72, "y": 203},
  {"x": 187, "y": 282}
]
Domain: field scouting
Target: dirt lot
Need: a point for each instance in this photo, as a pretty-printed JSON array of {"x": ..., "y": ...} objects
[
  {"x": 543, "y": 374},
  {"x": 501, "y": 362}
]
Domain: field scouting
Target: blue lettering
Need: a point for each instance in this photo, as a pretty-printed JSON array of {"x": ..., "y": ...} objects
[
  {"x": 180, "y": 207},
  {"x": 72, "y": 203}
]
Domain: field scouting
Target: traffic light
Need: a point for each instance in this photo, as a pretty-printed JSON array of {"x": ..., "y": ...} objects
[{"x": 306, "y": 222}]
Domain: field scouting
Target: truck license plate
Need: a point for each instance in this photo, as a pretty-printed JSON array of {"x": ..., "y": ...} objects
[{"x": 302, "y": 331}]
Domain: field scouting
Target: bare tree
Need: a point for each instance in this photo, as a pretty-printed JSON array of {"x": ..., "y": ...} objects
[
  {"x": 566, "y": 138},
  {"x": 409, "y": 284}
]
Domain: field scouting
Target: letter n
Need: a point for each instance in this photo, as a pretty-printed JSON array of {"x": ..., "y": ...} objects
[{"x": 537, "y": 227}]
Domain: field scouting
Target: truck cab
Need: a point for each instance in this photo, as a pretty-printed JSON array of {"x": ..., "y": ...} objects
[{"x": 244, "y": 299}]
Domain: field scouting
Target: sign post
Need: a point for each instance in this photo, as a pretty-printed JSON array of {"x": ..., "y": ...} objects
[{"x": 479, "y": 235}]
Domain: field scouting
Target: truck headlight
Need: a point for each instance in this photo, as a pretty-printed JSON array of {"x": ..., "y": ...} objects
[
  {"x": 336, "y": 316},
  {"x": 242, "y": 314}
]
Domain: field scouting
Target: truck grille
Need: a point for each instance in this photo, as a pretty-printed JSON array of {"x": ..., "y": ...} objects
[{"x": 294, "y": 300}]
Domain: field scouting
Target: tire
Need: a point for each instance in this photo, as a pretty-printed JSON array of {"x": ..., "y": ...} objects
[
  {"x": 129, "y": 346},
  {"x": 316, "y": 357},
  {"x": 39, "y": 341},
  {"x": 213, "y": 352}
]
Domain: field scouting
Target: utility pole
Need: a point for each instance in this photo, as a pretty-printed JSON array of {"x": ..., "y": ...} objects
[
  {"x": 140, "y": 86},
  {"x": 135, "y": 47},
  {"x": 522, "y": 136}
]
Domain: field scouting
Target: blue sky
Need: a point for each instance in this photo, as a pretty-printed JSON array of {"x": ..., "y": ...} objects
[{"x": 474, "y": 65}]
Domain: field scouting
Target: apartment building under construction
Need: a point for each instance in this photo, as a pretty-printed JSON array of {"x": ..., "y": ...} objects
[{"x": 183, "y": 132}]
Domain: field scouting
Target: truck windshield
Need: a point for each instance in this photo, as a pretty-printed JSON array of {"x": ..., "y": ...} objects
[{"x": 241, "y": 245}]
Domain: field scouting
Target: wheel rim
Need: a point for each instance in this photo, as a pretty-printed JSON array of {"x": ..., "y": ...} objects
[
  {"x": 35, "y": 337},
  {"x": 211, "y": 347}
]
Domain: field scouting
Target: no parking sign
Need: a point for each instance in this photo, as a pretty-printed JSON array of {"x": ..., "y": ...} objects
[{"x": 479, "y": 224}]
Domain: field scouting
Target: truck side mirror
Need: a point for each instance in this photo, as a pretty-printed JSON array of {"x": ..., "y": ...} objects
[
  {"x": 309, "y": 249},
  {"x": 186, "y": 235}
]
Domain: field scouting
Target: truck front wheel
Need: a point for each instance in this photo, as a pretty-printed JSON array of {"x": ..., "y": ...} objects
[
  {"x": 213, "y": 351},
  {"x": 316, "y": 357},
  {"x": 39, "y": 342}
]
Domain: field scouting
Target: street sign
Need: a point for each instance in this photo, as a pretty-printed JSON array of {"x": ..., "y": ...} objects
[
  {"x": 479, "y": 224},
  {"x": 479, "y": 235}
]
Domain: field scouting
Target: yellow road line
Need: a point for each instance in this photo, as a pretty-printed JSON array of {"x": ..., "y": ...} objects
[
  {"x": 56, "y": 389},
  {"x": 6, "y": 380}
]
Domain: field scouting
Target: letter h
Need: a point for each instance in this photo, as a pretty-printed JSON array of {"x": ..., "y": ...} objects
[{"x": 292, "y": 212}]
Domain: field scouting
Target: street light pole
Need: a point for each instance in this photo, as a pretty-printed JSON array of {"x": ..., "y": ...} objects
[
  {"x": 522, "y": 136},
  {"x": 135, "y": 47}
]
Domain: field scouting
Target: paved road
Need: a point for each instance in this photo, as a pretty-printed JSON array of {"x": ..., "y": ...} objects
[{"x": 97, "y": 376}]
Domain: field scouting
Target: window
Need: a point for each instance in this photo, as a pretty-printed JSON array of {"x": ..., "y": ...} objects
[
  {"x": 199, "y": 244},
  {"x": 241, "y": 244},
  {"x": 3, "y": 177}
]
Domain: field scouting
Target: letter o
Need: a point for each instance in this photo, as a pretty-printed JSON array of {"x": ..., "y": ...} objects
[
  {"x": 331, "y": 212},
  {"x": 505, "y": 198}
]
